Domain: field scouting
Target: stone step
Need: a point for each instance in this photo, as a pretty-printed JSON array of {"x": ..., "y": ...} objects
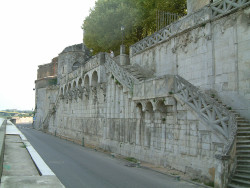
[
  {"x": 231, "y": 185},
  {"x": 242, "y": 172},
  {"x": 244, "y": 177},
  {"x": 242, "y": 152},
  {"x": 243, "y": 157},
  {"x": 243, "y": 133},
  {"x": 243, "y": 167},
  {"x": 241, "y": 120},
  {"x": 243, "y": 162},
  {"x": 240, "y": 182},
  {"x": 244, "y": 129},
  {"x": 242, "y": 142},
  {"x": 243, "y": 147},
  {"x": 243, "y": 138},
  {"x": 243, "y": 125}
]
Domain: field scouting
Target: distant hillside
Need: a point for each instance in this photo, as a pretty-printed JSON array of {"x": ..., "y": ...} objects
[{"x": 14, "y": 112}]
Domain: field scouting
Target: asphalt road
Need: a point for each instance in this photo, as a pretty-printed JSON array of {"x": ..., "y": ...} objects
[{"x": 79, "y": 167}]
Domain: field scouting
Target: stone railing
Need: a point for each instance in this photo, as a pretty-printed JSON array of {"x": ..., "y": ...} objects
[
  {"x": 119, "y": 73},
  {"x": 197, "y": 18},
  {"x": 92, "y": 63},
  {"x": 222, "y": 7},
  {"x": 213, "y": 113}
]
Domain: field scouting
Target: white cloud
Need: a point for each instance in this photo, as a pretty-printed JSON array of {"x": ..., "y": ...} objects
[{"x": 31, "y": 34}]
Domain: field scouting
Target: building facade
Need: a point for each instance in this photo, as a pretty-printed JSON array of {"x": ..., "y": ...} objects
[{"x": 179, "y": 99}]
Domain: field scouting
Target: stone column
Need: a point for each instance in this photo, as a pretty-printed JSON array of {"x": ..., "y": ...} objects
[{"x": 124, "y": 59}]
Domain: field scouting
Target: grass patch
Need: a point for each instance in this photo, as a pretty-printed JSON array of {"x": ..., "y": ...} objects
[{"x": 131, "y": 159}]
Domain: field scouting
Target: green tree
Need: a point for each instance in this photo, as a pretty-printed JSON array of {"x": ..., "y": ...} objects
[{"x": 103, "y": 25}]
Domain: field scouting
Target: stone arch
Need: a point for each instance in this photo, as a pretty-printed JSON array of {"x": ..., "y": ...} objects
[
  {"x": 69, "y": 87},
  {"x": 149, "y": 107},
  {"x": 86, "y": 81},
  {"x": 75, "y": 66},
  {"x": 65, "y": 89},
  {"x": 94, "y": 79},
  {"x": 161, "y": 107},
  {"x": 74, "y": 84},
  {"x": 79, "y": 84}
]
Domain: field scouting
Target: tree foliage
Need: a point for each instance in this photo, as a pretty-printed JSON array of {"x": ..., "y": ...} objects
[{"x": 102, "y": 28}]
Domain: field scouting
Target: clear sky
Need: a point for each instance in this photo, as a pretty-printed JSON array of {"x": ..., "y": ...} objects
[{"x": 32, "y": 32}]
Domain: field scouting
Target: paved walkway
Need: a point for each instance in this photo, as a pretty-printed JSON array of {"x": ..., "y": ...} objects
[
  {"x": 80, "y": 167},
  {"x": 22, "y": 166}
]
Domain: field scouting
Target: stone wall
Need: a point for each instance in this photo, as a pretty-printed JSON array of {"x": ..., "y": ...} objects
[
  {"x": 154, "y": 127},
  {"x": 71, "y": 58},
  {"x": 213, "y": 56},
  {"x": 45, "y": 97},
  {"x": 164, "y": 120},
  {"x": 47, "y": 70}
]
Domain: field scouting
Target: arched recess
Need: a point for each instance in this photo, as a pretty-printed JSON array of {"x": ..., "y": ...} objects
[
  {"x": 61, "y": 91},
  {"x": 79, "y": 84},
  {"x": 69, "y": 87},
  {"x": 65, "y": 89},
  {"x": 86, "y": 81},
  {"x": 75, "y": 66},
  {"x": 74, "y": 84},
  {"x": 94, "y": 79}
]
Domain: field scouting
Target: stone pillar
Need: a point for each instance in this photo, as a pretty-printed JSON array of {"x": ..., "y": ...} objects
[
  {"x": 117, "y": 101},
  {"x": 122, "y": 49},
  {"x": 124, "y": 59}
]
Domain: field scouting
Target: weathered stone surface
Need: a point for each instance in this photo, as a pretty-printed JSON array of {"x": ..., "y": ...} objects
[{"x": 166, "y": 118}]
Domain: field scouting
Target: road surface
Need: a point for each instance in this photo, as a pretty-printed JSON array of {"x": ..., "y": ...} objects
[{"x": 79, "y": 167}]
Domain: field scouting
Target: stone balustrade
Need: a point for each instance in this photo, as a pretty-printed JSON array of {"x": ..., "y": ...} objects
[
  {"x": 213, "y": 113},
  {"x": 199, "y": 17},
  {"x": 120, "y": 74}
]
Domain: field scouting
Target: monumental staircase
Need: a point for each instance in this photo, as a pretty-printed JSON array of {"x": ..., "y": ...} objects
[
  {"x": 241, "y": 177},
  {"x": 218, "y": 115},
  {"x": 225, "y": 120}
]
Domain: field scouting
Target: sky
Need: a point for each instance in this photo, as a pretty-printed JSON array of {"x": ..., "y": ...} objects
[{"x": 32, "y": 33}]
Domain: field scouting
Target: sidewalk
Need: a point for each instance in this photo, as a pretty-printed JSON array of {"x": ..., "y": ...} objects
[{"x": 22, "y": 165}]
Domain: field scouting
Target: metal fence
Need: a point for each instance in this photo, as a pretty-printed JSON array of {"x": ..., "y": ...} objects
[{"x": 165, "y": 18}]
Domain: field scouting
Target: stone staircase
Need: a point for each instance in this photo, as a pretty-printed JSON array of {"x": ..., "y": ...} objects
[
  {"x": 241, "y": 176},
  {"x": 137, "y": 72}
]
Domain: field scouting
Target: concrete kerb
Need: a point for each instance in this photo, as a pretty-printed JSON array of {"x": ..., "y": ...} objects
[
  {"x": 42, "y": 167},
  {"x": 2, "y": 143}
]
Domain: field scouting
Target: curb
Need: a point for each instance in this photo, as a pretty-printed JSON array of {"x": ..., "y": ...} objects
[{"x": 41, "y": 166}]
